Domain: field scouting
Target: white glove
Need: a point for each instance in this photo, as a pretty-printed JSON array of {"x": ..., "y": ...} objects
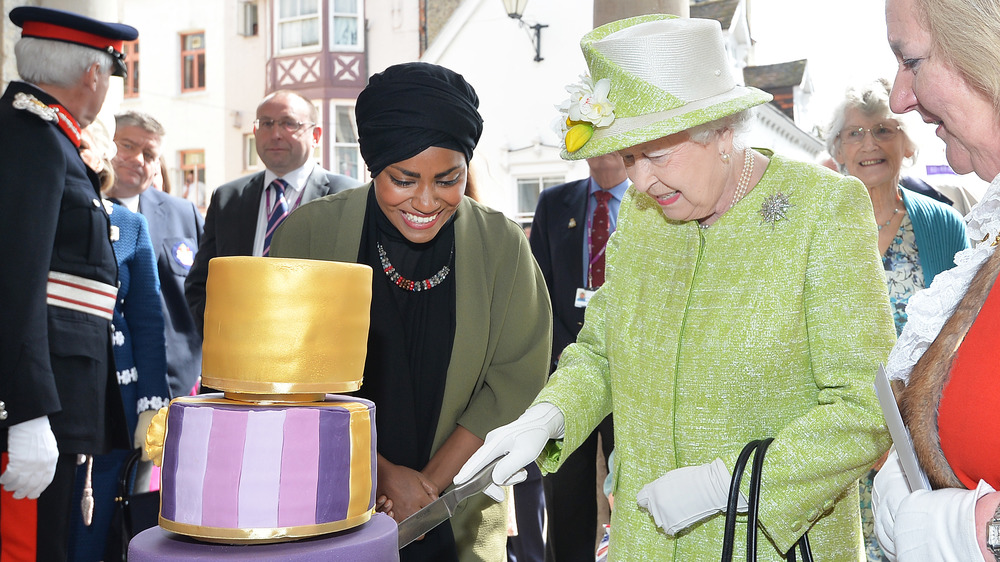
[
  {"x": 522, "y": 440},
  {"x": 937, "y": 525},
  {"x": 139, "y": 439},
  {"x": 888, "y": 491},
  {"x": 32, "y": 453},
  {"x": 686, "y": 495}
]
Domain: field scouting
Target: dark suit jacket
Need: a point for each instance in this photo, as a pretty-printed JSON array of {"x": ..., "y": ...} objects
[
  {"x": 175, "y": 227},
  {"x": 53, "y": 361},
  {"x": 558, "y": 249},
  {"x": 231, "y": 225}
]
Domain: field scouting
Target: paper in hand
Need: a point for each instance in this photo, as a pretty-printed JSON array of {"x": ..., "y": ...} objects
[{"x": 915, "y": 477}]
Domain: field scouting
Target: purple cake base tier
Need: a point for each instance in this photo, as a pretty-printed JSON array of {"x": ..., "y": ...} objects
[{"x": 375, "y": 541}]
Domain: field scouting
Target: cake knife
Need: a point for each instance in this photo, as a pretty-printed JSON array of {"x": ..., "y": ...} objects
[{"x": 441, "y": 509}]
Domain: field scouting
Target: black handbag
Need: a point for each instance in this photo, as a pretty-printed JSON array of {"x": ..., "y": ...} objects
[
  {"x": 753, "y": 503},
  {"x": 134, "y": 512}
]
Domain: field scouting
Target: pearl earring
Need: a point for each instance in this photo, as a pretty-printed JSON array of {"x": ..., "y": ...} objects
[{"x": 725, "y": 157}]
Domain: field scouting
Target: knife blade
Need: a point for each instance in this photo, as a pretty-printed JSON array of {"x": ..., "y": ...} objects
[{"x": 441, "y": 509}]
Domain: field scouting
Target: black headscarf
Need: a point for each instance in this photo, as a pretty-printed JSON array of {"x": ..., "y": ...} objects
[{"x": 410, "y": 107}]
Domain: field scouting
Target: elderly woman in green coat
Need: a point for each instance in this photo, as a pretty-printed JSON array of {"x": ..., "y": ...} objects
[{"x": 743, "y": 299}]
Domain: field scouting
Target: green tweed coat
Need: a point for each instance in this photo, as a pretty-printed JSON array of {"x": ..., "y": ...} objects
[
  {"x": 503, "y": 332},
  {"x": 702, "y": 340}
]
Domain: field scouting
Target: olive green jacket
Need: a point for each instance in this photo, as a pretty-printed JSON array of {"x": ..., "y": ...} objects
[
  {"x": 702, "y": 340},
  {"x": 503, "y": 328}
]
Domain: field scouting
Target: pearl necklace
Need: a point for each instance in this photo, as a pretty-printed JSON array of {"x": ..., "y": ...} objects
[
  {"x": 894, "y": 213},
  {"x": 406, "y": 284},
  {"x": 741, "y": 187}
]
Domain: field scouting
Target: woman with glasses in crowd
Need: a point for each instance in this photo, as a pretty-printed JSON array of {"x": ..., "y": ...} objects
[{"x": 918, "y": 237}]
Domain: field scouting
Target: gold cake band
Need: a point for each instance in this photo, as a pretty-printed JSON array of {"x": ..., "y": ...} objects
[
  {"x": 361, "y": 457},
  {"x": 222, "y": 535}
]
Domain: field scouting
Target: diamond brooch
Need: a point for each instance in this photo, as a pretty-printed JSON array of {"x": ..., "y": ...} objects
[{"x": 774, "y": 208}]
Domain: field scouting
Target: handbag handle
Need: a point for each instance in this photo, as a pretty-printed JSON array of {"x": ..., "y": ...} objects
[
  {"x": 124, "y": 497},
  {"x": 757, "y": 448}
]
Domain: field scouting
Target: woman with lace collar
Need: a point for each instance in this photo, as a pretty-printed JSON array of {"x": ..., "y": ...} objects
[{"x": 943, "y": 365}]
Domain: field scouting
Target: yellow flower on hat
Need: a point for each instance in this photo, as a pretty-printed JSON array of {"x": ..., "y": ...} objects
[{"x": 578, "y": 135}]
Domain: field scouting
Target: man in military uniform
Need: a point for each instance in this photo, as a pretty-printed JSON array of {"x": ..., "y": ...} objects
[{"x": 58, "y": 280}]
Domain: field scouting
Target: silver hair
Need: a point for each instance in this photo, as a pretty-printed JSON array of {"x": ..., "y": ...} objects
[
  {"x": 871, "y": 100},
  {"x": 144, "y": 121},
  {"x": 41, "y": 61},
  {"x": 739, "y": 123}
]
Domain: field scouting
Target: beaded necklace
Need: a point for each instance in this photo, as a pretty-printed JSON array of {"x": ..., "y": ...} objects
[
  {"x": 406, "y": 284},
  {"x": 894, "y": 213}
]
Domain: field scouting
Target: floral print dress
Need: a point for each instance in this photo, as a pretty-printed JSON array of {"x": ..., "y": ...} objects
[{"x": 903, "y": 273}]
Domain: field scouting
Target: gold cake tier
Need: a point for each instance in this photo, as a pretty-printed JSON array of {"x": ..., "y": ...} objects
[{"x": 285, "y": 326}]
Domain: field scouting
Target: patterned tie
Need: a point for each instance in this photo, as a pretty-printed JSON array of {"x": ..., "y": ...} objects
[
  {"x": 600, "y": 229},
  {"x": 277, "y": 210}
]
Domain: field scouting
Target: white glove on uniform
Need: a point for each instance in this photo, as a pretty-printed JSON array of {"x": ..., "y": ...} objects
[
  {"x": 139, "y": 439},
  {"x": 938, "y": 525},
  {"x": 522, "y": 440},
  {"x": 32, "y": 453},
  {"x": 686, "y": 495}
]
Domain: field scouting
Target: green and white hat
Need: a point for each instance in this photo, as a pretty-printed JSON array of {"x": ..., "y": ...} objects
[{"x": 650, "y": 76}]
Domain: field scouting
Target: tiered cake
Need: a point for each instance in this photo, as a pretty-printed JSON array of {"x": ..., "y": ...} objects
[{"x": 275, "y": 457}]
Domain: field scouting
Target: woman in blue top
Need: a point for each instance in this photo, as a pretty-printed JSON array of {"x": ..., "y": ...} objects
[
  {"x": 917, "y": 236},
  {"x": 140, "y": 355}
]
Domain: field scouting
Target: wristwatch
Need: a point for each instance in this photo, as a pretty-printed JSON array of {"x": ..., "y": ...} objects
[{"x": 993, "y": 534}]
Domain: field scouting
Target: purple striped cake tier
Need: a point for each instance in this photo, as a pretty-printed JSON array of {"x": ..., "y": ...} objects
[{"x": 240, "y": 472}]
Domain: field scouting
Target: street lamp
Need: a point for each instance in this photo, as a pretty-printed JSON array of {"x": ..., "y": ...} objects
[{"x": 515, "y": 9}]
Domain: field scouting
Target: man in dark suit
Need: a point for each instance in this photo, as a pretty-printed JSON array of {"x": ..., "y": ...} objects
[
  {"x": 58, "y": 283},
  {"x": 561, "y": 235},
  {"x": 175, "y": 227},
  {"x": 245, "y": 212}
]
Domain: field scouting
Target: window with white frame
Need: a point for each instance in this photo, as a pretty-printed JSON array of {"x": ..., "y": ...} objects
[
  {"x": 346, "y": 155},
  {"x": 346, "y": 24},
  {"x": 246, "y": 24},
  {"x": 251, "y": 160},
  {"x": 528, "y": 189},
  {"x": 298, "y": 24}
]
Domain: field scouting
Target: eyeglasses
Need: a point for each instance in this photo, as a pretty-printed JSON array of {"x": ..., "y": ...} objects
[
  {"x": 287, "y": 124},
  {"x": 881, "y": 133}
]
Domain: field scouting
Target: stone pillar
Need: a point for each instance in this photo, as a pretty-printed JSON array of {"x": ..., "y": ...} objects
[
  {"x": 611, "y": 10},
  {"x": 9, "y": 34}
]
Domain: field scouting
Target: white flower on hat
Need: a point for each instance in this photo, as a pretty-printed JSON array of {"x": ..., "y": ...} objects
[
  {"x": 588, "y": 106},
  {"x": 594, "y": 106}
]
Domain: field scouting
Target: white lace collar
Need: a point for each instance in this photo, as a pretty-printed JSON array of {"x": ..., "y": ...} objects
[{"x": 928, "y": 309}]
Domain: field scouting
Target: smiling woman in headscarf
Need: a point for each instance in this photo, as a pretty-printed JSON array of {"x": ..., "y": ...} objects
[{"x": 460, "y": 321}]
